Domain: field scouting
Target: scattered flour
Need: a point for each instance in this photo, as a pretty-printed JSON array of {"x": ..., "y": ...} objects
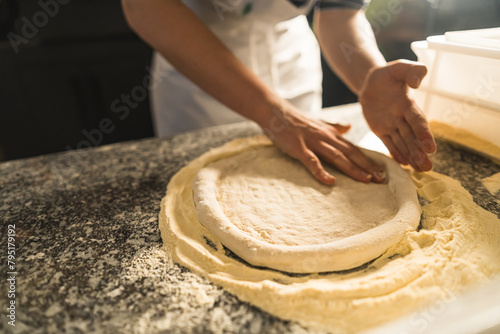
[{"x": 492, "y": 183}]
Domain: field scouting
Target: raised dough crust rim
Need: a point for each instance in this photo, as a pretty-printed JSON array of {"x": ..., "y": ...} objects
[{"x": 343, "y": 254}]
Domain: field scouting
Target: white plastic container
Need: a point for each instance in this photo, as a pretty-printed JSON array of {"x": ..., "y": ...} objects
[{"x": 462, "y": 87}]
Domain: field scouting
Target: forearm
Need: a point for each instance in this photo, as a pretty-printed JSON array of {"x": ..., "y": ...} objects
[
  {"x": 186, "y": 42},
  {"x": 348, "y": 44}
]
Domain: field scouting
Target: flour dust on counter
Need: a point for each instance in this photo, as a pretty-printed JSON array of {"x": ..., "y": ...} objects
[
  {"x": 188, "y": 303},
  {"x": 492, "y": 183},
  {"x": 466, "y": 139}
]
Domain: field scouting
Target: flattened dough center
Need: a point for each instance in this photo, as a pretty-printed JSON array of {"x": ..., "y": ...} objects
[{"x": 273, "y": 198}]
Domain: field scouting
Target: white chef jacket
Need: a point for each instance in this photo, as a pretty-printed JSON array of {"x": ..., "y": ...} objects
[{"x": 271, "y": 37}]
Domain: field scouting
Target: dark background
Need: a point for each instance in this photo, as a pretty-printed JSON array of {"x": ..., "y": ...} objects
[{"x": 61, "y": 82}]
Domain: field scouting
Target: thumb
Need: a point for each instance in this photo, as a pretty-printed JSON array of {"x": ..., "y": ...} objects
[
  {"x": 408, "y": 71},
  {"x": 342, "y": 128}
]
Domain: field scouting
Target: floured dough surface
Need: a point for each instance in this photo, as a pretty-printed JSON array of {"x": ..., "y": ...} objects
[
  {"x": 270, "y": 211},
  {"x": 273, "y": 198},
  {"x": 455, "y": 248}
]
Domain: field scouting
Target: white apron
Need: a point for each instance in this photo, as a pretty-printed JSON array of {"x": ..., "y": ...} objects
[{"x": 273, "y": 39}]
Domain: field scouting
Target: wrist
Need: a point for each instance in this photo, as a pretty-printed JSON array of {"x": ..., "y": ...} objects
[
  {"x": 366, "y": 88},
  {"x": 266, "y": 112}
]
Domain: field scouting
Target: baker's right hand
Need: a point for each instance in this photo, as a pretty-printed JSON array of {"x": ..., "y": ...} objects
[{"x": 308, "y": 140}]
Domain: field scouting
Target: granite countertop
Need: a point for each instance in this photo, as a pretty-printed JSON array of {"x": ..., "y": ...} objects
[{"x": 88, "y": 252}]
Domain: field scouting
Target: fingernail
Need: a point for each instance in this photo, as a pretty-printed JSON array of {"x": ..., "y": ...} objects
[
  {"x": 421, "y": 161},
  {"x": 380, "y": 175},
  {"x": 364, "y": 177},
  {"x": 328, "y": 178}
]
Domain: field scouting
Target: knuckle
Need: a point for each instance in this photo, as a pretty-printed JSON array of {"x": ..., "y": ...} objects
[
  {"x": 335, "y": 154},
  {"x": 411, "y": 142},
  {"x": 407, "y": 104},
  {"x": 400, "y": 122},
  {"x": 418, "y": 156},
  {"x": 386, "y": 139},
  {"x": 310, "y": 159},
  {"x": 372, "y": 165},
  {"x": 352, "y": 150},
  {"x": 419, "y": 116}
]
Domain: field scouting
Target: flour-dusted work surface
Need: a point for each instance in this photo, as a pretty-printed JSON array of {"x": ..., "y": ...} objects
[{"x": 88, "y": 252}]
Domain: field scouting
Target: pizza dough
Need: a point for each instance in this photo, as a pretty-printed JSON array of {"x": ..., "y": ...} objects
[
  {"x": 455, "y": 247},
  {"x": 270, "y": 211}
]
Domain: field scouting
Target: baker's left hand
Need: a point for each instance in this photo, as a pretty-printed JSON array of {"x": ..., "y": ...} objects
[{"x": 393, "y": 115}]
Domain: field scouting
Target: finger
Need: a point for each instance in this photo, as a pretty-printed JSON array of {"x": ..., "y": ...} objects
[
  {"x": 336, "y": 158},
  {"x": 421, "y": 160},
  {"x": 312, "y": 163},
  {"x": 355, "y": 155},
  {"x": 408, "y": 71},
  {"x": 415, "y": 75},
  {"x": 396, "y": 154},
  {"x": 420, "y": 127},
  {"x": 397, "y": 139},
  {"x": 409, "y": 139},
  {"x": 417, "y": 158},
  {"x": 342, "y": 128}
]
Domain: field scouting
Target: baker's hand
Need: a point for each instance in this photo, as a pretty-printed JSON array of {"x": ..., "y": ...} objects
[
  {"x": 308, "y": 140},
  {"x": 393, "y": 115}
]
